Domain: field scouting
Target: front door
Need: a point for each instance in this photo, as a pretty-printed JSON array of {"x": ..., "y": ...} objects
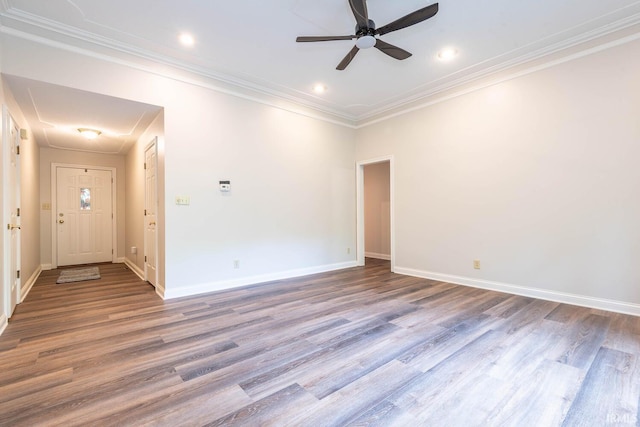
[
  {"x": 151, "y": 207},
  {"x": 84, "y": 217}
]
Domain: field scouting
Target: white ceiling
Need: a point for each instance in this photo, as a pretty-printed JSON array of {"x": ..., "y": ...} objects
[
  {"x": 251, "y": 43},
  {"x": 55, "y": 113}
]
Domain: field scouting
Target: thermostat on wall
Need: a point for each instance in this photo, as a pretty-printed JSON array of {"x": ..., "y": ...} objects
[{"x": 225, "y": 186}]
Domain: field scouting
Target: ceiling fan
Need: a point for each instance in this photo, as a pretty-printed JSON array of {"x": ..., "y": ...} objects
[{"x": 366, "y": 32}]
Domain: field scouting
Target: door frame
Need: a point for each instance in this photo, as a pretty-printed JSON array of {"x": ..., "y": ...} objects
[
  {"x": 360, "y": 250},
  {"x": 7, "y": 121},
  {"x": 152, "y": 145},
  {"x": 54, "y": 208}
]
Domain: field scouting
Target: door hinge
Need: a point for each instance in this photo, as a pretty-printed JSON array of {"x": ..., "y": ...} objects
[
  {"x": 145, "y": 258},
  {"x": 18, "y": 274},
  {"x": 18, "y": 212},
  {"x": 145, "y": 212},
  {"x": 145, "y": 165},
  {"x": 18, "y": 150},
  {"x": 112, "y": 180},
  {"x": 111, "y": 251}
]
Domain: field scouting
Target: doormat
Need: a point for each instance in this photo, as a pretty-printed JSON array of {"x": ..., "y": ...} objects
[{"x": 78, "y": 275}]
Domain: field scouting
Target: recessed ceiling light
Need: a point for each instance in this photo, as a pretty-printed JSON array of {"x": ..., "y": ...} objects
[
  {"x": 89, "y": 133},
  {"x": 187, "y": 39},
  {"x": 319, "y": 88},
  {"x": 447, "y": 54}
]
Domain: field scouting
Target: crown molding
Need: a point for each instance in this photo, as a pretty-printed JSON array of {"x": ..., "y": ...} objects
[
  {"x": 446, "y": 88},
  {"x": 115, "y": 47},
  {"x": 565, "y": 48}
]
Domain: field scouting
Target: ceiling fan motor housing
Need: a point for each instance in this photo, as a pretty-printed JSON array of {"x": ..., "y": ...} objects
[{"x": 366, "y": 32}]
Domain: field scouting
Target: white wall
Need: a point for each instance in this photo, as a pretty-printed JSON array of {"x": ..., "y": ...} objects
[
  {"x": 536, "y": 177},
  {"x": 48, "y": 156},
  {"x": 292, "y": 206},
  {"x": 377, "y": 226}
]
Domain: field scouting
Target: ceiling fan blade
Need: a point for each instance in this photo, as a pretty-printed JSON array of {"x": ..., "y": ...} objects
[
  {"x": 323, "y": 38},
  {"x": 347, "y": 59},
  {"x": 391, "y": 50},
  {"x": 359, "y": 9},
  {"x": 410, "y": 19}
]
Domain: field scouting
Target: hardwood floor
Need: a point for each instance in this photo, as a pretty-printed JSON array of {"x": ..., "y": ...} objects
[{"x": 359, "y": 347}]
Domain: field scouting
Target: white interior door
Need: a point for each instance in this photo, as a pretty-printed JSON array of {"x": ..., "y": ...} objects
[
  {"x": 84, "y": 216},
  {"x": 13, "y": 206},
  {"x": 151, "y": 207}
]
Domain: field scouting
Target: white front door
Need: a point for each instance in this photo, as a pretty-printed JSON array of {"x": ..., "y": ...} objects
[
  {"x": 151, "y": 207},
  {"x": 13, "y": 227},
  {"x": 84, "y": 216}
]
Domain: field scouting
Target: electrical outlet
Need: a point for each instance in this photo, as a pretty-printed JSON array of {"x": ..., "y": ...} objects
[
  {"x": 236, "y": 263},
  {"x": 476, "y": 264}
]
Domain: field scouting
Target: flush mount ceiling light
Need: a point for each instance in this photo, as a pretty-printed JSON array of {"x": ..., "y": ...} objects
[
  {"x": 447, "y": 54},
  {"x": 186, "y": 39},
  {"x": 89, "y": 133}
]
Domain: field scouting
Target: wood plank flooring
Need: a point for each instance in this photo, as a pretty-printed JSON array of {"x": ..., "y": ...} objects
[{"x": 358, "y": 347}]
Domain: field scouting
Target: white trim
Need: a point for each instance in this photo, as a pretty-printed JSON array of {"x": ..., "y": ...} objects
[
  {"x": 161, "y": 292},
  {"x": 54, "y": 207},
  {"x": 46, "y": 267},
  {"x": 4, "y": 322},
  {"x": 360, "y": 251},
  {"x": 137, "y": 270},
  {"x": 204, "y": 288},
  {"x": 119, "y": 260},
  {"x": 375, "y": 255},
  {"x": 544, "y": 294},
  {"x": 29, "y": 284}
]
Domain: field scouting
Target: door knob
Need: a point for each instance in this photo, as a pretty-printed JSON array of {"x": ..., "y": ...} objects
[
  {"x": 13, "y": 227},
  {"x": 61, "y": 221},
  {"x": 152, "y": 223}
]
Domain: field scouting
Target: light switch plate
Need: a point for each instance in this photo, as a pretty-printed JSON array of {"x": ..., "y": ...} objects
[{"x": 183, "y": 200}]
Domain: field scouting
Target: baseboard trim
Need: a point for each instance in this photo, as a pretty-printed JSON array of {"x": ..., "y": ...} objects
[
  {"x": 204, "y": 288},
  {"x": 4, "y": 322},
  {"x": 29, "y": 283},
  {"x": 120, "y": 260},
  {"x": 160, "y": 292},
  {"x": 377, "y": 256},
  {"x": 46, "y": 267},
  {"x": 562, "y": 297},
  {"x": 137, "y": 270}
]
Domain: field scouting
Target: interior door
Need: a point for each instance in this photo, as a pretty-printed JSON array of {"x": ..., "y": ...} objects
[
  {"x": 84, "y": 218},
  {"x": 151, "y": 206},
  {"x": 13, "y": 186}
]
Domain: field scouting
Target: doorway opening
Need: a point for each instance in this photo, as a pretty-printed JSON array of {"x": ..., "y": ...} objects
[{"x": 375, "y": 211}]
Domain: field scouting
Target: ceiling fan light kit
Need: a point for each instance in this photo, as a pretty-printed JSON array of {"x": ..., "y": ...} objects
[{"x": 366, "y": 32}]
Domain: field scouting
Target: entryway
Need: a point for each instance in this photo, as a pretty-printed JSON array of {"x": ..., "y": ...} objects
[{"x": 83, "y": 223}]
